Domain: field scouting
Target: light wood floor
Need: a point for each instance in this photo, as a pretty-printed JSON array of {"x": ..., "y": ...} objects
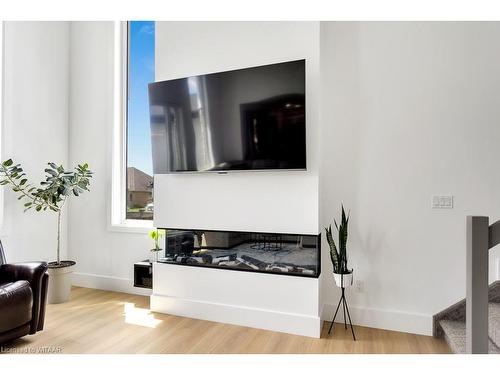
[{"x": 96, "y": 321}]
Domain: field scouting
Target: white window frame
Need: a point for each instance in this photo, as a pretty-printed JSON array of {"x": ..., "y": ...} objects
[{"x": 118, "y": 211}]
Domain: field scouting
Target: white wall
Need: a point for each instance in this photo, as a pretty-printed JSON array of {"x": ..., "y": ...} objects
[
  {"x": 104, "y": 257},
  {"x": 266, "y": 301},
  {"x": 285, "y": 201},
  {"x": 35, "y": 128},
  {"x": 407, "y": 110},
  {"x": 236, "y": 201},
  {"x": 58, "y": 107},
  {"x": 410, "y": 110}
]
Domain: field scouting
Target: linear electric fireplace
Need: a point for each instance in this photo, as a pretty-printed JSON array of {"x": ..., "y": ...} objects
[{"x": 277, "y": 253}]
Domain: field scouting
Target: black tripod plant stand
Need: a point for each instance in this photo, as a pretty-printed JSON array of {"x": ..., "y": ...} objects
[{"x": 343, "y": 301}]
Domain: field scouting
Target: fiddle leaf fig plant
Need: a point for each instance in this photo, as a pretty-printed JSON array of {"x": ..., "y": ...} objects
[
  {"x": 52, "y": 193},
  {"x": 338, "y": 254}
]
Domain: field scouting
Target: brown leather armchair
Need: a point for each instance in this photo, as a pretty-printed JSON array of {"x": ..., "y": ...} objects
[{"x": 23, "y": 296}]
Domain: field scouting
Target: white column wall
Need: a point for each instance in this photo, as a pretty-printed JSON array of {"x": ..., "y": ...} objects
[
  {"x": 35, "y": 128},
  {"x": 283, "y": 201}
]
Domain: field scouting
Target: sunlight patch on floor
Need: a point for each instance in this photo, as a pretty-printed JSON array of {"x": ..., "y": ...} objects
[{"x": 140, "y": 317}]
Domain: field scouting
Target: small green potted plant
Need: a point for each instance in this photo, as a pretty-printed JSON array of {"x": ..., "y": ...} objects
[
  {"x": 342, "y": 274},
  {"x": 51, "y": 195},
  {"x": 156, "y": 235}
]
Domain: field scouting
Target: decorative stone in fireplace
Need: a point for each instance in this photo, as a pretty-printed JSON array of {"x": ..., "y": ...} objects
[{"x": 288, "y": 254}]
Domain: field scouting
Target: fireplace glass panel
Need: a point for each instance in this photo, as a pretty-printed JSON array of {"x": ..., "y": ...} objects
[{"x": 290, "y": 254}]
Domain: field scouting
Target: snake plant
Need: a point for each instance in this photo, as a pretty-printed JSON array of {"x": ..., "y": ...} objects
[{"x": 338, "y": 254}]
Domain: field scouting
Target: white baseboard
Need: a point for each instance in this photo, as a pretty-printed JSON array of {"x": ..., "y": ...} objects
[
  {"x": 383, "y": 319},
  {"x": 296, "y": 324},
  {"x": 257, "y": 318},
  {"x": 111, "y": 283}
]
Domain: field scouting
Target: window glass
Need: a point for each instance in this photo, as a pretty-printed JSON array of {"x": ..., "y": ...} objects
[{"x": 141, "y": 71}]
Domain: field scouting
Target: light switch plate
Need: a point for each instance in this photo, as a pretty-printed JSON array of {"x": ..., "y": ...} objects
[{"x": 442, "y": 201}]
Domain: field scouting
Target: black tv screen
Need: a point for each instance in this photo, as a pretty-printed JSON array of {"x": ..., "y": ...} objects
[{"x": 246, "y": 119}]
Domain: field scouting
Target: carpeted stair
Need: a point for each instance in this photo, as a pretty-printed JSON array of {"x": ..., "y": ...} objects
[{"x": 450, "y": 323}]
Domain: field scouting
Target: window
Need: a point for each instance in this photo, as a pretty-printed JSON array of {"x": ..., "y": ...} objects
[
  {"x": 139, "y": 164},
  {"x": 1, "y": 113}
]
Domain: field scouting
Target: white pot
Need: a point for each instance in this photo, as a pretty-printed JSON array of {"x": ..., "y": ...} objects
[
  {"x": 60, "y": 282},
  {"x": 343, "y": 280},
  {"x": 154, "y": 256}
]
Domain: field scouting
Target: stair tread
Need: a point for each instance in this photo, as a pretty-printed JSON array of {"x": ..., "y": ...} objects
[
  {"x": 454, "y": 333},
  {"x": 494, "y": 322}
]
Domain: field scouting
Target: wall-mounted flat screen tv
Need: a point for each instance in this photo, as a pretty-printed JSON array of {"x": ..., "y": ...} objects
[{"x": 246, "y": 119}]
